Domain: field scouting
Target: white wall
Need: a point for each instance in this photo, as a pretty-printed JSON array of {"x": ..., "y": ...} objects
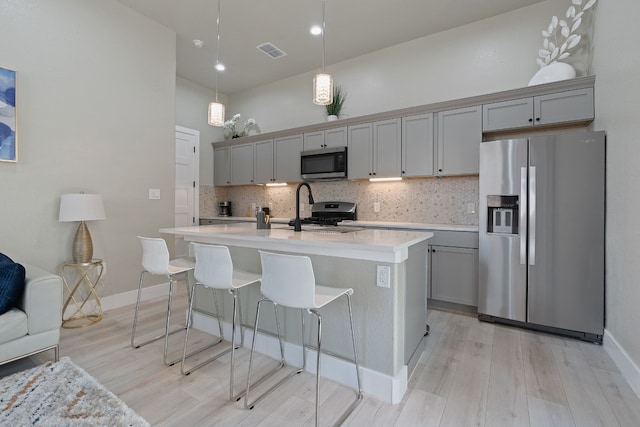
[
  {"x": 484, "y": 57},
  {"x": 95, "y": 101},
  {"x": 617, "y": 66},
  {"x": 192, "y": 104}
]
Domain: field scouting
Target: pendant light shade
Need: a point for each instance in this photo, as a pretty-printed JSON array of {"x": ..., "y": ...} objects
[
  {"x": 216, "y": 109},
  {"x": 322, "y": 89},
  {"x": 216, "y": 114},
  {"x": 322, "y": 82}
]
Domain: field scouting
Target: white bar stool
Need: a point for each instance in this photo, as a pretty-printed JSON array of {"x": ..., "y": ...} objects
[
  {"x": 288, "y": 280},
  {"x": 214, "y": 270},
  {"x": 155, "y": 260}
]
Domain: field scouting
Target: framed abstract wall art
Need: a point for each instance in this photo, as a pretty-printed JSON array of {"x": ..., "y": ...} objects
[{"x": 8, "y": 139}]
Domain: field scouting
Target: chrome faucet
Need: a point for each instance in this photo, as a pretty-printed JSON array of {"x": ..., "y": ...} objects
[{"x": 297, "y": 225}]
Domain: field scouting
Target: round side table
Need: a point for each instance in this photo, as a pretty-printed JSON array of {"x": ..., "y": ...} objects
[{"x": 87, "y": 276}]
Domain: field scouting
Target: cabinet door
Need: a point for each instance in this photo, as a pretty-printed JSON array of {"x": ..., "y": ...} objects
[
  {"x": 513, "y": 114},
  {"x": 387, "y": 153},
  {"x": 417, "y": 145},
  {"x": 335, "y": 137},
  {"x": 459, "y": 138},
  {"x": 263, "y": 160},
  {"x": 454, "y": 275},
  {"x": 360, "y": 151},
  {"x": 221, "y": 166},
  {"x": 287, "y": 158},
  {"x": 564, "y": 107},
  {"x": 313, "y": 140},
  {"x": 242, "y": 164}
]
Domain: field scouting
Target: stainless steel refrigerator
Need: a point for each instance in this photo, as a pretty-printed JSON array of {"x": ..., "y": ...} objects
[{"x": 541, "y": 233}]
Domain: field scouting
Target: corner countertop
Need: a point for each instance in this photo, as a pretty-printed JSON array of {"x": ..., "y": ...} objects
[
  {"x": 419, "y": 226},
  {"x": 368, "y": 244}
]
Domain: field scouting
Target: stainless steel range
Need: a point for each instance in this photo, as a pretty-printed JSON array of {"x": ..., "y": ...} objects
[{"x": 330, "y": 213}]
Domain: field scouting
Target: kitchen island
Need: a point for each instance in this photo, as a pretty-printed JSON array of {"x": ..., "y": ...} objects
[{"x": 389, "y": 309}]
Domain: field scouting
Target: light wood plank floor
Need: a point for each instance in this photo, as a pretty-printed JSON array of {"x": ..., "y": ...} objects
[{"x": 472, "y": 374}]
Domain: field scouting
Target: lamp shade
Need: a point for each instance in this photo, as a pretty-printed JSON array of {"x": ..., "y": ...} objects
[
  {"x": 216, "y": 114},
  {"x": 81, "y": 207},
  {"x": 322, "y": 89}
]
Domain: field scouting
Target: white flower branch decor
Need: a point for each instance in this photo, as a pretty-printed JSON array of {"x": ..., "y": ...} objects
[
  {"x": 230, "y": 127},
  {"x": 560, "y": 37}
]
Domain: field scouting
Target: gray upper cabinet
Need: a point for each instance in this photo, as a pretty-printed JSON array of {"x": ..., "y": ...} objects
[
  {"x": 264, "y": 162},
  {"x": 222, "y": 166},
  {"x": 242, "y": 164},
  {"x": 568, "y": 107},
  {"x": 286, "y": 151},
  {"x": 459, "y": 137},
  {"x": 374, "y": 149},
  {"x": 336, "y": 137},
  {"x": 417, "y": 145},
  {"x": 360, "y": 151}
]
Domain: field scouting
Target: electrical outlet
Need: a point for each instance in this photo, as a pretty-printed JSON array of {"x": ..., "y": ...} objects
[
  {"x": 376, "y": 206},
  {"x": 471, "y": 208},
  {"x": 383, "y": 276}
]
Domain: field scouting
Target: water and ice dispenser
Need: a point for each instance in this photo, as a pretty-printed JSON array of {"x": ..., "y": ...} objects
[{"x": 503, "y": 214}]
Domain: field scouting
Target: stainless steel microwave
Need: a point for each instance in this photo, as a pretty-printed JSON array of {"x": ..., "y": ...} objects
[{"x": 324, "y": 164}]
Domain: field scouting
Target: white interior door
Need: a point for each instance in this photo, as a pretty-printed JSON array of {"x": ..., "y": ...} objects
[{"x": 186, "y": 198}]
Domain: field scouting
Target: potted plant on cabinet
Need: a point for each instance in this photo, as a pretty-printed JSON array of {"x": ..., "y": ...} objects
[{"x": 334, "y": 109}]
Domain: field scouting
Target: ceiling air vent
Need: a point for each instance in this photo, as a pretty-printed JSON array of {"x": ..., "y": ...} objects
[{"x": 272, "y": 50}]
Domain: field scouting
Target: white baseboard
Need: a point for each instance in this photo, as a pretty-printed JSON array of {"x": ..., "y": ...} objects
[
  {"x": 381, "y": 386},
  {"x": 625, "y": 364}
]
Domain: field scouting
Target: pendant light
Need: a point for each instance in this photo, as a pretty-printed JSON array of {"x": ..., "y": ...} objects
[
  {"x": 322, "y": 82},
  {"x": 216, "y": 109}
]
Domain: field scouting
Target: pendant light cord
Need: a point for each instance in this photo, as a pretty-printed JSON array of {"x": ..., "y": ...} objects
[
  {"x": 218, "y": 47},
  {"x": 323, "y": 34}
]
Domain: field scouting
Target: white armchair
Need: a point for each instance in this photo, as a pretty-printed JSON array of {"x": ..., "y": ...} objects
[{"x": 34, "y": 325}]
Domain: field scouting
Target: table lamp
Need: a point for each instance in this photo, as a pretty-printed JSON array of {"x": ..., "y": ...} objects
[{"x": 81, "y": 207}]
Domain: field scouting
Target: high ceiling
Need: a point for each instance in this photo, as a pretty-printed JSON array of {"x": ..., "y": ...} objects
[{"x": 353, "y": 28}]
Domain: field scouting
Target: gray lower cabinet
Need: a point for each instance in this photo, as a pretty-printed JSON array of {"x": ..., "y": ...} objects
[
  {"x": 459, "y": 137},
  {"x": 454, "y": 274},
  {"x": 574, "y": 106}
]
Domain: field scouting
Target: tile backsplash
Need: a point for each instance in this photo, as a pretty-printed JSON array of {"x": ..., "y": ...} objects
[{"x": 429, "y": 200}]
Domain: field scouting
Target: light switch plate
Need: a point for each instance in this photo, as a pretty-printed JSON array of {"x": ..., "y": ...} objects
[{"x": 154, "y": 194}]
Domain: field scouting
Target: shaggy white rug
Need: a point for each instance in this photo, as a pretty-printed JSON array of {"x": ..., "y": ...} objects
[{"x": 61, "y": 394}]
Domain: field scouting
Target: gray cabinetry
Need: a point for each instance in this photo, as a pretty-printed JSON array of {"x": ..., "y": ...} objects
[
  {"x": 286, "y": 151},
  {"x": 360, "y": 151},
  {"x": 459, "y": 137},
  {"x": 575, "y": 106},
  {"x": 336, "y": 137},
  {"x": 454, "y": 274},
  {"x": 222, "y": 166},
  {"x": 374, "y": 149},
  {"x": 417, "y": 145},
  {"x": 242, "y": 164},
  {"x": 264, "y": 162}
]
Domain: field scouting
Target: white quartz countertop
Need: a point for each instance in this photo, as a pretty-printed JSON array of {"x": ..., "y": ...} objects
[
  {"x": 369, "y": 224},
  {"x": 368, "y": 244}
]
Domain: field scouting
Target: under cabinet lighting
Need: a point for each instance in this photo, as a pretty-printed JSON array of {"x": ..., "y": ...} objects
[
  {"x": 395, "y": 178},
  {"x": 276, "y": 184}
]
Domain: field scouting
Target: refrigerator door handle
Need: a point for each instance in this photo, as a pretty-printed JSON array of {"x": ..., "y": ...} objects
[
  {"x": 532, "y": 215},
  {"x": 523, "y": 215}
]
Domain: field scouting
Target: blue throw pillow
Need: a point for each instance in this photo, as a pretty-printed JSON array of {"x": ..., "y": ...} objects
[{"x": 11, "y": 283}]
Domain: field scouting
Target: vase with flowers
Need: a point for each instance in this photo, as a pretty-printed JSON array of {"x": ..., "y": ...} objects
[
  {"x": 560, "y": 38},
  {"x": 231, "y": 130}
]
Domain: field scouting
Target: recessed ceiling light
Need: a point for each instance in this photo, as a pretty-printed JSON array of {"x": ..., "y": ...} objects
[
  {"x": 220, "y": 66},
  {"x": 198, "y": 43},
  {"x": 316, "y": 30}
]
